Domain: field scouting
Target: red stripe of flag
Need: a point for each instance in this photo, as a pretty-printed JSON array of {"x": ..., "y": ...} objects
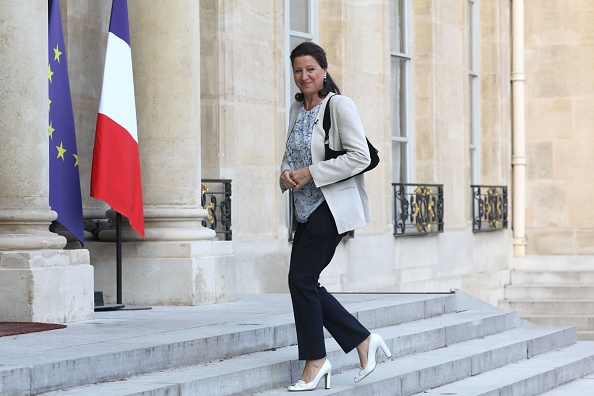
[{"x": 116, "y": 171}]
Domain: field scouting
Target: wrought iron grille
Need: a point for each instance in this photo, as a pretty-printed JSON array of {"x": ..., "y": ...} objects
[
  {"x": 418, "y": 209},
  {"x": 489, "y": 209},
  {"x": 216, "y": 199}
]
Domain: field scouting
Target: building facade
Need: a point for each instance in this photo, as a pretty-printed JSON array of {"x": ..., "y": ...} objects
[{"x": 480, "y": 111}]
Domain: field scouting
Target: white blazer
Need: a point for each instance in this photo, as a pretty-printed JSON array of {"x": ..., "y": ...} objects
[{"x": 346, "y": 199}]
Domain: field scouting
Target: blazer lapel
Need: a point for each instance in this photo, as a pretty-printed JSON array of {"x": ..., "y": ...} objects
[{"x": 317, "y": 138}]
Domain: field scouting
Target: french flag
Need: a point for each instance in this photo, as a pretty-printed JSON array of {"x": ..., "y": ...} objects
[{"x": 115, "y": 175}]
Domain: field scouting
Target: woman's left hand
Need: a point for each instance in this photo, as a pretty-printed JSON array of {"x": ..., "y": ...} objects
[{"x": 301, "y": 177}]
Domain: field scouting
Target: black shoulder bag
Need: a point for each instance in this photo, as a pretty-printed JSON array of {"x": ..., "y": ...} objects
[{"x": 373, "y": 152}]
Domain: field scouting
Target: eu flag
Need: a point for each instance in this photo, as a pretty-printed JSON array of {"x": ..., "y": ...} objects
[{"x": 64, "y": 183}]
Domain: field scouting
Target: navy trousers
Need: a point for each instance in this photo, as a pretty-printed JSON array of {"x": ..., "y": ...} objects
[{"x": 314, "y": 308}]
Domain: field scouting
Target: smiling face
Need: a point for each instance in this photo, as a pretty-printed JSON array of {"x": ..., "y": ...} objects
[{"x": 308, "y": 75}]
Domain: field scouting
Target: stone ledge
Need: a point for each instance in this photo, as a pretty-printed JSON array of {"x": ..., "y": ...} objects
[
  {"x": 48, "y": 286},
  {"x": 43, "y": 258}
]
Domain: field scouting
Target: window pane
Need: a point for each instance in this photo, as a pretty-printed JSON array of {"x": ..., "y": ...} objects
[
  {"x": 472, "y": 36},
  {"x": 398, "y": 97},
  {"x": 294, "y": 88},
  {"x": 294, "y": 42},
  {"x": 397, "y": 26},
  {"x": 300, "y": 16},
  {"x": 399, "y": 162}
]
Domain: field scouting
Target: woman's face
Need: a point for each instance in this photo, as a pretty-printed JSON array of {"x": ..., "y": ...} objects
[{"x": 308, "y": 74}]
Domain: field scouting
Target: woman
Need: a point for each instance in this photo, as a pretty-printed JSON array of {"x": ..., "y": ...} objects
[{"x": 326, "y": 207}]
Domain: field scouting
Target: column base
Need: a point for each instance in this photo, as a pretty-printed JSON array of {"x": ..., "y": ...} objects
[
  {"x": 162, "y": 224},
  {"x": 27, "y": 229},
  {"x": 519, "y": 247},
  {"x": 166, "y": 272},
  {"x": 47, "y": 286}
]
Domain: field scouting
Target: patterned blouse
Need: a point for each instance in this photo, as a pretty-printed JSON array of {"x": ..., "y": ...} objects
[{"x": 309, "y": 197}]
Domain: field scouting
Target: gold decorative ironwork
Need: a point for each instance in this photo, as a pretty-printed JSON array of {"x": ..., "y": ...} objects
[
  {"x": 210, "y": 218},
  {"x": 418, "y": 207},
  {"x": 218, "y": 195},
  {"x": 489, "y": 208},
  {"x": 416, "y": 210}
]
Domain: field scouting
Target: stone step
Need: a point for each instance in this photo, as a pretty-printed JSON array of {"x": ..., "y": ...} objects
[
  {"x": 552, "y": 277},
  {"x": 585, "y": 335},
  {"x": 235, "y": 329},
  {"x": 527, "y": 307},
  {"x": 269, "y": 369},
  {"x": 581, "y": 322},
  {"x": 529, "y": 377},
  {"x": 417, "y": 373},
  {"x": 553, "y": 263},
  {"x": 549, "y": 292},
  {"x": 581, "y": 387}
]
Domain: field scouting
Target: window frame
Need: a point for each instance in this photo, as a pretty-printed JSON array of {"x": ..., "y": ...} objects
[
  {"x": 405, "y": 54},
  {"x": 474, "y": 92},
  {"x": 312, "y": 35}
]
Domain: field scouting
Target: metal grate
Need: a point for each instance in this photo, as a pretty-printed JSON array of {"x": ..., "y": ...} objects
[{"x": 418, "y": 209}]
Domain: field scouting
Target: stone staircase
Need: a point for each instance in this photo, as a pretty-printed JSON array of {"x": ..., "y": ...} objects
[
  {"x": 554, "y": 291},
  {"x": 441, "y": 344}
]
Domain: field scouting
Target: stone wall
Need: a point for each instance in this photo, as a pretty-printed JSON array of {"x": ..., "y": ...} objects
[{"x": 559, "y": 126}]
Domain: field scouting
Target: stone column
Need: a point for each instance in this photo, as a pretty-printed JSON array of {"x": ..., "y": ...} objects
[
  {"x": 178, "y": 263},
  {"x": 35, "y": 273}
]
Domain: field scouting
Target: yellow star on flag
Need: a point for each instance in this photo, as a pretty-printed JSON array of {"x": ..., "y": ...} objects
[
  {"x": 76, "y": 158},
  {"x": 49, "y": 102},
  {"x": 61, "y": 151},
  {"x": 51, "y": 130},
  {"x": 50, "y": 73},
  {"x": 57, "y": 54}
]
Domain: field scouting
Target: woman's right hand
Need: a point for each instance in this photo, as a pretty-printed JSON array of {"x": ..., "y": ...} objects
[{"x": 286, "y": 180}]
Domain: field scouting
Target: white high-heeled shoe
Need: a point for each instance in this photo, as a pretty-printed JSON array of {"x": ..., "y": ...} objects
[
  {"x": 375, "y": 342},
  {"x": 307, "y": 386}
]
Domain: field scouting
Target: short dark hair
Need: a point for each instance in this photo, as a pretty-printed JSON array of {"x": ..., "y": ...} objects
[{"x": 312, "y": 49}]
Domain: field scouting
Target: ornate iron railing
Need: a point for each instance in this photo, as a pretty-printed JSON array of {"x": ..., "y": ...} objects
[
  {"x": 216, "y": 199},
  {"x": 418, "y": 209},
  {"x": 489, "y": 208}
]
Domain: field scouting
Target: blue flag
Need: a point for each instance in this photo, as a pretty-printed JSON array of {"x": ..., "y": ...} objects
[{"x": 64, "y": 183}]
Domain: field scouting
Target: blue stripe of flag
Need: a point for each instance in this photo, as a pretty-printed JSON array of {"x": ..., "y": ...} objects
[{"x": 118, "y": 24}]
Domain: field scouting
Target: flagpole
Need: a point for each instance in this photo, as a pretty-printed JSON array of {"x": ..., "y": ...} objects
[{"x": 119, "y": 257}]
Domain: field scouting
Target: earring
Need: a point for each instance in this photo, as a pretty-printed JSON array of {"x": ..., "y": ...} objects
[{"x": 324, "y": 78}]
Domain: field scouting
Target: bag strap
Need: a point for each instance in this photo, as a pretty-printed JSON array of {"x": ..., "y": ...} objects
[{"x": 327, "y": 121}]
